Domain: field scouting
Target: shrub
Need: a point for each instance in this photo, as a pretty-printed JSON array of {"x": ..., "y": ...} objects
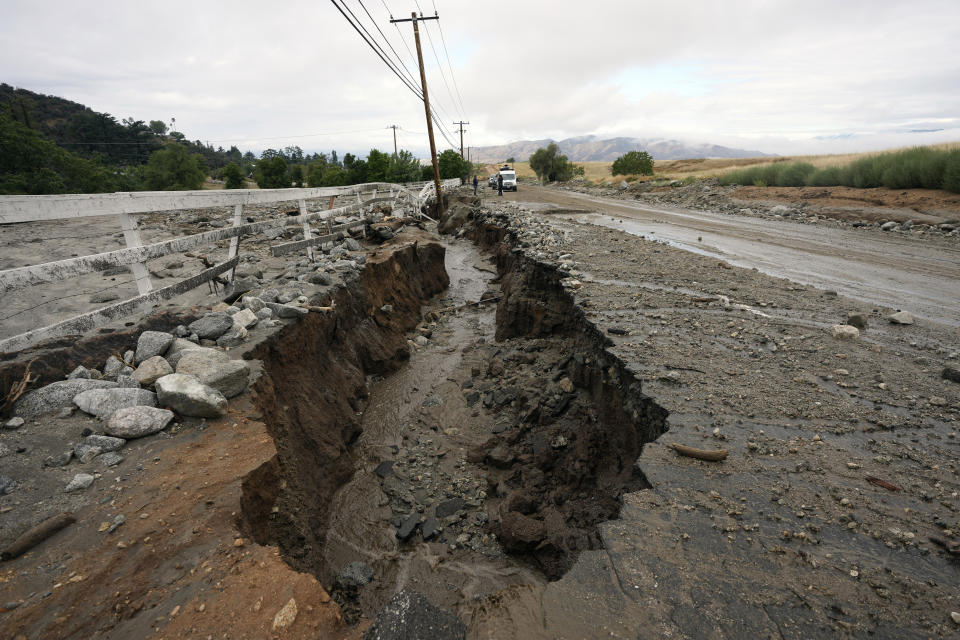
[
  {"x": 795, "y": 174},
  {"x": 828, "y": 177},
  {"x": 633, "y": 163},
  {"x": 951, "y": 171}
]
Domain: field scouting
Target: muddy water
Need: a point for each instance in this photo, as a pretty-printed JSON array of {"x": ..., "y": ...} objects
[{"x": 393, "y": 420}]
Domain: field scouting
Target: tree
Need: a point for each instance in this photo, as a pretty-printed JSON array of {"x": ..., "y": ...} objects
[
  {"x": 356, "y": 169},
  {"x": 633, "y": 163},
  {"x": 158, "y": 127},
  {"x": 173, "y": 168},
  {"x": 272, "y": 173},
  {"x": 378, "y": 163},
  {"x": 334, "y": 176},
  {"x": 452, "y": 165},
  {"x": 510, "y": 160},
  {"x": 550, "y": 165},
  {"x": 296, "y": 175},
  {"x": 403, "y": 168},
  {"x": 293, "y": 155},
  {"x": 233, "y": 176}
]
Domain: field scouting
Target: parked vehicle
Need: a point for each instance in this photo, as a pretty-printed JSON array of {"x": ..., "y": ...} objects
[
  {"x": 509, "y": 178},
  {"x": 492, "y": 181}
]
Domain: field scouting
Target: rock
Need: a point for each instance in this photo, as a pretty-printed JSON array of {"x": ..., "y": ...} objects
[
  {"x": 177, "y": 347},
  {"x": 85, "y": 452},
  {"x": 80, "y": 481},
  {"x": 245, "y": 318},
  {"x": 409, "y": 616},
  {"x": 858, "y": 320},
  {"x": 189, "y": 397},
  {"x": 232, "y": 311},
  {"x": 623, "y": 186},
  {"x": 352, "y": 245},
  {"x": 286, "y": 616},
  {"x": 501, "y": 456},
  {"x": 238, "y": 286},
  {"x": 319, "y": 278},
  {"x": 430, "y": 528},
  {"x": 408, "y": 526},
  {"x": 888, "y": 226},
  {"x": 151, "y": 369},
  {"x": 354, "y": 575},
  {"x": 232, "y": 338},
  {"x": 125, "y": 381},
  {"x": 264, "y": 314},
  {"x": 269, "y": 295},
  {"x": 59, "y": 459},
  {"x": 253, "y": 303},
  {"x": 449, "y": 507},
  {"x": 103, "y": 402},
  {"x": 901, "y": 317},
  {"x": 105, "y": 443},
  {"x": 215, "y": 369},
  {"x": 4, "y": 450},
  {"x": 136, "y": 422},
  {"x": 112, "y": 368},
  {"x": 565, "y": 385},
  {"x": 211, "y": 326},
  {"x": 104, "y": 296},
  {"x": 286, "y": 311},
  {"x": 384, "y": 469},
  {"x": 152, "y": 343},
  {"x": 56, "y": 395},
  {"x": 66, "y": 412},
  {"x": 80, "y": 373},
  {"x": 288, "y": 295},
  {"x": 14, "y": 423},
  {"x": 518, "y": 531},
  {"x": 111, "y": 459},
  {"x": 949, "y": 373},
  {"x": 451, "y": 220},
  {"x": 955, "y": 616},
  {"x": 7, "y": 485},
  {"x": 844, "y": 332}
]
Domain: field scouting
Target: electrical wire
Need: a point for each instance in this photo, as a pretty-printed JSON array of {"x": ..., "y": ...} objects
[
  {"x": 443, "y": 74},
  {"x": 453, "y": 76},
  {"x": 385, "y": 39}
]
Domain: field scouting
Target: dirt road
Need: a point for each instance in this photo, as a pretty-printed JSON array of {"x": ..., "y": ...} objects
[{"x": 896, "y": 271}]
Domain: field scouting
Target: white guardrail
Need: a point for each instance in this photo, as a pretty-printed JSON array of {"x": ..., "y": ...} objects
[{"x": 19, "y": 209}]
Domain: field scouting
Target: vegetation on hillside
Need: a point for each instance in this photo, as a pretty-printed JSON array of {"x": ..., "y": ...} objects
[
  {"x": 915, "y": 168},
  {"x": 633, "y": 163}
]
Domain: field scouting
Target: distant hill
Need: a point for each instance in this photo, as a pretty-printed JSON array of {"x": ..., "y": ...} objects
[{"x": 593, "y": 149}]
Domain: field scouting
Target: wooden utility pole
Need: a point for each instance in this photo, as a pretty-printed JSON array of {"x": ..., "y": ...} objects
[
  {"x": 461, "y": 123},
  {"x": 394, "y": 127},
  {"x": 426, "y": 101}
]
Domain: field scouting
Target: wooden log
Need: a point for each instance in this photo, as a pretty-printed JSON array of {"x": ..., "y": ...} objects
[
  {"x": 36, "y": 535},
  {"x": 93, "y": 319},
  {"x": 714, "y": 455}
]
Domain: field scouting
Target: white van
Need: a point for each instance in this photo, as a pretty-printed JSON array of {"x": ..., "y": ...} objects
[{"x": 509, "y": 178}]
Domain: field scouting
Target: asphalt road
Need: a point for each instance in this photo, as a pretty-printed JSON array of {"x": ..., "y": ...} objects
[{"x": 893, "y": 270}]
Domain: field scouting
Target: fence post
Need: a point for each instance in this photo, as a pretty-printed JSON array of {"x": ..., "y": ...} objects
[
  {"x": 132, "y": 237},
  {"x": 235, "y": 241},
  {"x": 306, "y": 228}
]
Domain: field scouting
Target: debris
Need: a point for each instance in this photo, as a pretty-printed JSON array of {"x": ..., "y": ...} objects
[
  {"x": 37, "y": 534},
  {"x": 715, "y": 455},
  {"x": 882, "y": 483}
]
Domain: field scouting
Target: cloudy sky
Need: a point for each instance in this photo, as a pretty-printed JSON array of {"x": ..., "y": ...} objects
[{"x": 779, "y": 77}]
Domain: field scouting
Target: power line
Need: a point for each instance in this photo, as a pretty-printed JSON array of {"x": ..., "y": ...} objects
[
  {"x": 443, "y": 75},
  {"x": 385, "y": 39},
  {"x": 372, "y": 40},
  {"x": 453, "y": 76}
]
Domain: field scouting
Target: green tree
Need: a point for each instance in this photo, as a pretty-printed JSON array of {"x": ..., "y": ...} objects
[
  {"x": 452, "y": 165},
  {"x": 404, "y": 168},
  {"x": 633, "y": 163},
  {"x": 233, "y": 176},
  {"x": 173, "y": 168},
  {"x": 378, "y": 163},
  {"x": 550, "y": 165},
  {"x": 334, "y": 176},
  {"x": 158, "y": 127},
  {"x": 356, "y": 169},
  {"x": 272, "y": 173},
  {"x": 510, "y": 160},
  {"x": 296, "y": 175},
  {"x": 316, "y": 171}
]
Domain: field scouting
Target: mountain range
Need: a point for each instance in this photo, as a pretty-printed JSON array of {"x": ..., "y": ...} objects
[{"x": 593, "y": 149}]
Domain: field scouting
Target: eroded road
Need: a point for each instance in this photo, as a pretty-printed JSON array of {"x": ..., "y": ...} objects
[{"x": 891, "y": 270}]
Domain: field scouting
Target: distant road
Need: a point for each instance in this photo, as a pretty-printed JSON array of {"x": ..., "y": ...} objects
[{"x": 917, "y": 275}]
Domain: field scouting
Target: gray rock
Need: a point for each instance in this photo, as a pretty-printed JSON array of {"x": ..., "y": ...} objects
[
  {"x": 56, "y": 395},
  {"x": 112, "y": 367},
  {"x": 351, "y": 245},
  {"x": 410, "y": 616},
  {"x": 273, "y": 233},
  {"x": 246, "y": 318},
  {"x": 58, "y": 459},
  {"x": 177, "y": 347},
  {"x": 104, "y": 296},
  {"x": 408, "y": 526},
  {"x": 85, "y": 453},
  {"x": 80, "y": 481},
  {"x": 125, "y": 381},
  {"x": 4, "y": 450},
  {"x": 233, "y": 338},
  {"x": 152, "y": 343},
  {"x": 319, "y": 278},
  {"x": 7, "y": 485},
  {"x": 103, "y": 402},
  {"x": 888, "y": 226},
  {"x": 211, "y": 326},
  {"x": 111, "y": 459},
  {"x": 151, "y": 369},
  {"x": 80, "y": 373},
  {"x": 286, "y": 311},
  {"x": 269, "y": 295},
  {"x": 14, "y": 423},
  {"x": 901, "y": 317},
  {"x": 106, "y": 443},
  {"x": 189, "y": 397},
  {"x": 949, "y": 373},
  {"x": 232, "y": 310},
  {"x": 253, "y": 303},
  {"x": 449, "y": 507},
  {"x": 136, "y": 422},
  {"x": 215, "y": 369},
  {"x": 430, "y": 528},
  {"x": 128, "y": 357},
  {"x": 237, "y": 287},
  {"x": 844, "y": 332},
  {"x": 66, "y": 412},
  {"x": 287, "y": 295},
  {"x": 181, "y": 331},
  {"x": 624, "y": 185},
  {"x": 264, "y": 314},
  {"x": 354, "y": 575},
  {"x": 858, "y": 320}
]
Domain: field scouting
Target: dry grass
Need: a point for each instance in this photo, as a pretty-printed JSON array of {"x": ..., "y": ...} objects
[{"x": 711, "y": 167}]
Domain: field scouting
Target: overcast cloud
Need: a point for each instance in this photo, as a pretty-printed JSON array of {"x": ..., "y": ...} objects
[{"x": 779, "y": 77}]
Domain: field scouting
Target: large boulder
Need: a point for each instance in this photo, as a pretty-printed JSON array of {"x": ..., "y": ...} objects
[
  {"x": 136, "y": 422},
  {"x": 177, "y": 347},
  {"x": 215, "y": 369},
  {"x": 211, "y": 326},
  {"x": 151, "y": 369},
  {"x": 56, "y": 396},
  {"x": 454, "y": 218},
  {"x": 152, "y": 343},
  {"x": 287, "y": 310},
  {"x": 186, "y": 395},
  {"x": 103, "y": 402}
]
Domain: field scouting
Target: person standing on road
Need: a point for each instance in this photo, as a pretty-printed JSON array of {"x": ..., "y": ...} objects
[
  {"x": 475, "y": 183},
  {"x": 499, "y": 185}
]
